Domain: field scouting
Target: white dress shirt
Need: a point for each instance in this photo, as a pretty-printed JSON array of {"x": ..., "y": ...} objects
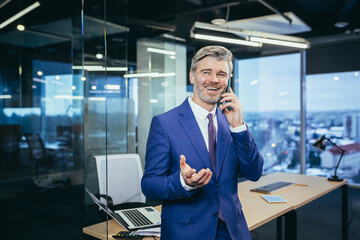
[{"x": 201, "y": 114}]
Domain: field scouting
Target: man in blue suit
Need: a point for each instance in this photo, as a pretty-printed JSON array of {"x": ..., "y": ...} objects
[{"x": 195, "y": 152}]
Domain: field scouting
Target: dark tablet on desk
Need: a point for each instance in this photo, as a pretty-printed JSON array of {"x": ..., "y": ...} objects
[{"x": 272, "y": 187}]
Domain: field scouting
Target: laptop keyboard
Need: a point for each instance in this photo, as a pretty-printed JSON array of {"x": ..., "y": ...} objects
[{"x": 136, "y": 217}]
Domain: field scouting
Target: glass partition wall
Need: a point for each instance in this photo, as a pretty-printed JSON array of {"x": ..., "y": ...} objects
[
  {"x": 75, "y": 113},
  {"x": 128, "y": 78},
  {"x": 41, "y": 120}
]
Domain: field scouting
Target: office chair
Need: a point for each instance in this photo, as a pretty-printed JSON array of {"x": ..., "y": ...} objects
[
  {"x": 10, "y": 136},
  {"x": 37, "y": 152},
  {"x": 124, "y": 180},
  {"x": 64, "y": 136}
]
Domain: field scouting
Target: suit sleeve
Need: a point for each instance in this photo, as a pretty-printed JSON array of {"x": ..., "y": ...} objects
[
  {"x": 250, "y": 160},
  {"x": 159, "y": 182}
]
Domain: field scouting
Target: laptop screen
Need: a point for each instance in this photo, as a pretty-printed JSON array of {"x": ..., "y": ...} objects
[
  {"x": 115, "y": 216},
  {"x": 131, "y": 219}
]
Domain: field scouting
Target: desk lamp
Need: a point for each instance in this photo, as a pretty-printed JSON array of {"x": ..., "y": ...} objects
[{"x": 320, "y": 144}]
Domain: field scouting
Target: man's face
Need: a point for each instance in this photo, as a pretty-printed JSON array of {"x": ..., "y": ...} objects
[{"x": 210, "y": 81}]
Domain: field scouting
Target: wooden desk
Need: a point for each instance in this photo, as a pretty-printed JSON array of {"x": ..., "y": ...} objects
[
  {"x": 99, "y": 230},
  {"x": 257, "y": 211}
]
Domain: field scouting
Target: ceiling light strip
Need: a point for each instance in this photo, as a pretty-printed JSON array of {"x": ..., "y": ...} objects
[
  {"x": 4, "y": 3},
  {"x": 5, "y": 96},
  {"x": 133, "y": 75},
  {"x": 101, "y": 99},
  {"x": 116, "y": 69},
  {"x": 169, "y": 36},
  {"x": 153, "y": 75},
  {"x": 170, "y": 74},
  {"x": 19, "y": 14},
  {"x": 226, "y": 40},
  {"x": 112, "y": 87},
  {"x": 161, "y": 51},
  {"x": 280, "y": 42},
  {"x": 247, "y": 33},
  {"x": 101, "y": 68}
]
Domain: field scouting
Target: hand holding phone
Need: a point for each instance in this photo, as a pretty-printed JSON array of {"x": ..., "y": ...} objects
[
  {"x": 234, "y": 113},
  {"x": 227, "y": 91}
]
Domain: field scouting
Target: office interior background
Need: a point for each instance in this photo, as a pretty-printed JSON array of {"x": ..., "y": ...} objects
[{"x": 83, "y": 78}]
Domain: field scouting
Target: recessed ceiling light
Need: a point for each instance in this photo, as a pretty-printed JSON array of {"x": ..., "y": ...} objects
[
  {"x": 99, "y": 56},
  {"x": 20, "y": 27},
  {"x": 341, "y": 24},
  {"x": 39, "y": 73},
  {"x": 336, "y": 78},
  {"x": 218, "y": 21}
]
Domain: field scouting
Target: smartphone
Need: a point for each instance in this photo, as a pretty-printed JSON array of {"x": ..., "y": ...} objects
[{"x": 227, "y": 91}]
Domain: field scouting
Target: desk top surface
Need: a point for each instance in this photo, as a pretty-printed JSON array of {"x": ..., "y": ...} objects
[
  {"x": 99, "y": 230},
  {"x": 306, "y": 189},
  {"x": 256, "y": 210}
]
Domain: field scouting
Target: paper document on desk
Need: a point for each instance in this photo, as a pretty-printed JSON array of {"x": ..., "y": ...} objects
[
  {"x": 273, "y": 199},
  {"x": 149, "y": 232}
]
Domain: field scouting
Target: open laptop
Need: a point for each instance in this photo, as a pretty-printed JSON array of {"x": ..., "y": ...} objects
[{"x": 133, "y": 218}]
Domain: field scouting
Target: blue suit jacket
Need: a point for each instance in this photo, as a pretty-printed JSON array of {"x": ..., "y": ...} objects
[{"x": 193, "y": 215}]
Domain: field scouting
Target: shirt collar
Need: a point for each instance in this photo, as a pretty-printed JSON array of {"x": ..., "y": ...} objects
[{"x": 200, "y": 111}]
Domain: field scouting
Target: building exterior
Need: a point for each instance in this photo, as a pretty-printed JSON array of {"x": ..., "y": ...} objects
[
  {"x": 352, "y": 125},
  {"x": 350, "y": 161}
]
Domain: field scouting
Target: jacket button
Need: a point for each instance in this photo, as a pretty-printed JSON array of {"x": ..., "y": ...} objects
[
  {"x": 217, "y": 185},
  {"x": 215, "y": 214}
]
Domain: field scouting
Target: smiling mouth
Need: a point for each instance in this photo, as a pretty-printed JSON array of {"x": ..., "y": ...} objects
[{"x": 212, "y": 88}]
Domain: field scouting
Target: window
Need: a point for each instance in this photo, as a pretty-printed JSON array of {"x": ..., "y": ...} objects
[
  {"x": 269, "y": 89},
  {"x": 333, "y": 110}
]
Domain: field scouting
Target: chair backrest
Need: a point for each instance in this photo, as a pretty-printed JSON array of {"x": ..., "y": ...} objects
[
  {"x": 64, "y": 135},
  {"x": 124, "y": 177},
  {"x": 36, "y": 146}
]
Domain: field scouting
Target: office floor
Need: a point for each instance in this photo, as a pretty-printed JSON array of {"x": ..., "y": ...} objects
[{"x": 320, "y": 219}]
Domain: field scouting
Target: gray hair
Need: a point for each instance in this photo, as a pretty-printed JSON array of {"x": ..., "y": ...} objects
[{"x": 218, "y": 52}]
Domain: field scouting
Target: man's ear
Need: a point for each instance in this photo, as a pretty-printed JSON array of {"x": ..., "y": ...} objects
[{"x": 191, "y": 76}]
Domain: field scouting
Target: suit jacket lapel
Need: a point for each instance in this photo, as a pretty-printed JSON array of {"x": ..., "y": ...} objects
[
  {"x": 188, "y": 122},
  {"x": 222, "y": 141}
]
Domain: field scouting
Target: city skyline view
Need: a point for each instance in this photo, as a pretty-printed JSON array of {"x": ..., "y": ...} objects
[{"x": 269, "y": 89}]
